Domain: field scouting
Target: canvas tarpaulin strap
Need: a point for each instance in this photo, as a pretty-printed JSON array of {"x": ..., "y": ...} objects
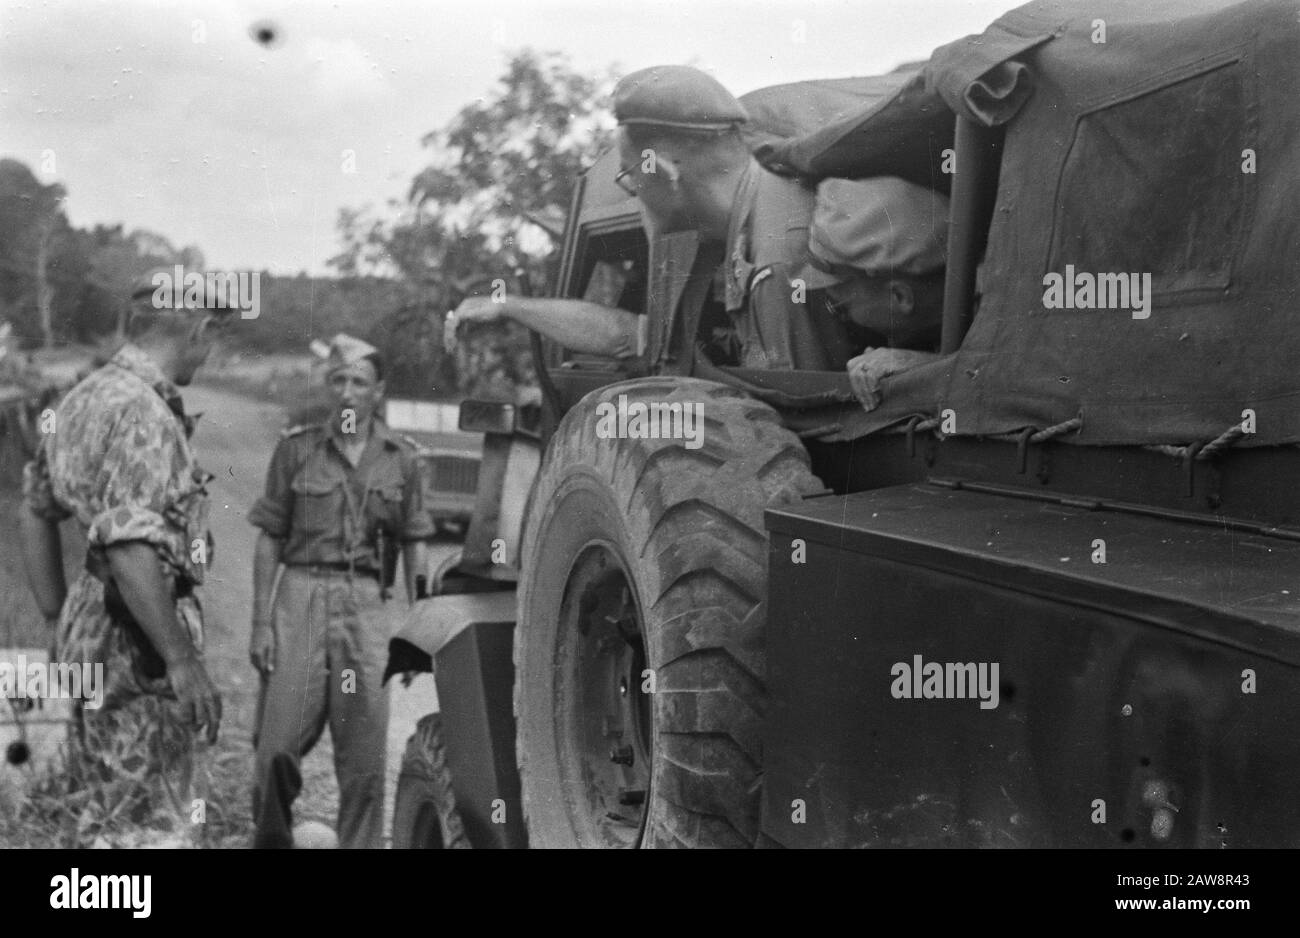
[{"x": 1158, "y": 144}]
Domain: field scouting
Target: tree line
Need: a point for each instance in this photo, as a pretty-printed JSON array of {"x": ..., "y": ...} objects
[{"x": 490, "y": 204}]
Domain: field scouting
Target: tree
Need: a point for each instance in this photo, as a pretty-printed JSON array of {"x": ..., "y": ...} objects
[
  {"x": 118, "y": 261},
  {"x": 60, "y": 282},
  {"x": 489, "y": 206},
  {"x": 30, "y": 214}
]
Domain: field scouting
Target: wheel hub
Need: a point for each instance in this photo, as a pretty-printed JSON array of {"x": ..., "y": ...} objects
[{"x": 612, "y": 719}]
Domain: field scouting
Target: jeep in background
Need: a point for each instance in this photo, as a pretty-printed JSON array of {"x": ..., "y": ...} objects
[
  {"x": 650, "y": 645},
  {"x": 449, "y": 455}
]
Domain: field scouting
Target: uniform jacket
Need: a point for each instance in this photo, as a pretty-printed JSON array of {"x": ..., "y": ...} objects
[
  {"x": 780, "y": 326},
  {"x": 326, "y": 511}
]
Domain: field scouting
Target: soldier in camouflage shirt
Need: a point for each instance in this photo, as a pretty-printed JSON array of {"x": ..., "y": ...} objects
[{"x": 119, "y": 461}]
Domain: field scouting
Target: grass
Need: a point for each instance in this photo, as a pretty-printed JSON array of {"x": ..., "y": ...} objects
[{"x": 61, "y": 810}]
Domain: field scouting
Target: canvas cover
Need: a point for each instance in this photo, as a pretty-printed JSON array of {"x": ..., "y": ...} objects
[
  {"x": 782, "y": 112},
  {"x": 1158, "y": 138},
  {"x": 776, "y": 114}
]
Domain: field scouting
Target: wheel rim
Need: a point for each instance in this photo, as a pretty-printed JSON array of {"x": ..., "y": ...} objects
[{"x": 611, "y": 726}]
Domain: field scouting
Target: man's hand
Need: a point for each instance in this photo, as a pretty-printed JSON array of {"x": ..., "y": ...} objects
[
  {"x": 199, "y": 700},
  {"x": 261, "y": 648},
  {"x": 148, "y": 596},
  {"x": 867, "y": 370},
  {"x": 475, "y": 309}
]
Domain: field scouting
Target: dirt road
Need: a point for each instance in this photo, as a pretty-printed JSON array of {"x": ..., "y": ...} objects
[{"x": 234, "y": 441}]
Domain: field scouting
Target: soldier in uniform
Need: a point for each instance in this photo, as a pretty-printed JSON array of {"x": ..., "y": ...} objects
[
  {"x": 342, "y": 497},
  {"x": 877, "y": 248},
  {"x": 119, "y": 461},
  {"x": 682, "y": 154}
]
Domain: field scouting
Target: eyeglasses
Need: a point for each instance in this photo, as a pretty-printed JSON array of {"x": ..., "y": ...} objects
[{"x": 620, "y": 180}]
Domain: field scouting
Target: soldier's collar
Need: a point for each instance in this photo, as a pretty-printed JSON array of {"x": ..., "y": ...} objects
[
  {"x": 137, "y": 361},
  {"x": 383, "y": 432}
]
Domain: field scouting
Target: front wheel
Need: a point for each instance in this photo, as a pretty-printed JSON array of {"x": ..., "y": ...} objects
[
  {"x": 639, "y": 652},
  {"x": 424, "y": 809}
]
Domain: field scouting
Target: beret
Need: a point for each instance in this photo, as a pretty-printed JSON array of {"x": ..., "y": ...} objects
[
  {"x": 676, "y": 96},
  {"x": 882, "y": 227}
]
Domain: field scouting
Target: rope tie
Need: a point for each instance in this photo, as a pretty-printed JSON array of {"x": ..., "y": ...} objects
[
  {"x": 1221, "y": 442},
  {"x": 1065, "y": 426},
  {"x": 1206, "y": 452}
]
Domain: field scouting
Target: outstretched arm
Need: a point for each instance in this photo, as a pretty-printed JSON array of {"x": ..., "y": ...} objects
[{"x": 578, "y": 325}]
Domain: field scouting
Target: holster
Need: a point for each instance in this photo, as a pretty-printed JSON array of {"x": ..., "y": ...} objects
[{"x": 386, "y": 547}]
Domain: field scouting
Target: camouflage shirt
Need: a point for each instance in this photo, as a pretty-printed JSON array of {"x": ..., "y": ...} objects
[{"x": 119, "y": 460}]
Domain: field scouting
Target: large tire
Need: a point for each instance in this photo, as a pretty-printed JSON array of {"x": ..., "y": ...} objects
[
  {"x": 424, "y": 809},
  {"x": 678, "y": 534}
]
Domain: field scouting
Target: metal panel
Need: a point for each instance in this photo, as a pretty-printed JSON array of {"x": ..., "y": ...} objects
[
  {"x": 506, "y": 473},
  {"x": 475, "y": 677},
  {"x": 1121, "y": 686}
]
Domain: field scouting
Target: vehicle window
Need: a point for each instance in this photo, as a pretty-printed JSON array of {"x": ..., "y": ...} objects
[
  {"x": 608, "y": 283},
  {"x": 1153, "y": 184},
  {"x": 612, "y": 271},
  {"x": 616, "y": 271}
]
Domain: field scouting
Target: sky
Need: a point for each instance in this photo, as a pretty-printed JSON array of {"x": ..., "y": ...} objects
[{"x": 167, "y": 115}]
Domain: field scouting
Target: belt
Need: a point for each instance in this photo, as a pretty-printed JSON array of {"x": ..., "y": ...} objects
[{"x": 333, "y": 568}]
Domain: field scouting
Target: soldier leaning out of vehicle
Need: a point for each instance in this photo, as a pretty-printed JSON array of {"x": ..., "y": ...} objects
[
  {"x": 876, "y": 248},
  {"x": 683, "y": 156},
  {"x": 342, "y": 497}
]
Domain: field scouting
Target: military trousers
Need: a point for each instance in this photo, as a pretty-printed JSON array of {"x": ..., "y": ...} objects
[{"x": 332, "y": 632}]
